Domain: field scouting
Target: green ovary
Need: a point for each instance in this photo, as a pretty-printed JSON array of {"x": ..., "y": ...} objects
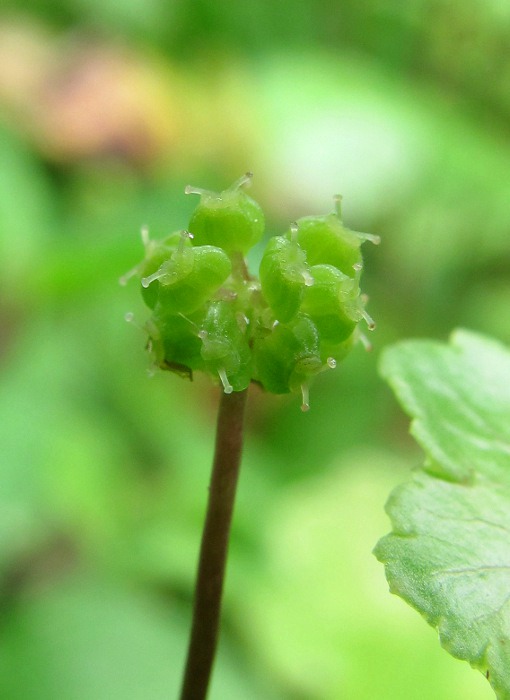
[
  {"x": 288, "y": 355},
  {"x": 175, "y": 340},
  {"x": 230, "y": 220},
  {"x": 283, "y": 277},
  {"x": 225, "y": 350},
  {"x": 187, "y": 292},
  {"x": 326, "y": 241},
  {"x": 331, "y": 303}
]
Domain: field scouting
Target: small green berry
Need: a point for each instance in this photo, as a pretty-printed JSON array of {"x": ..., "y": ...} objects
[
  {"x": 288, "y": 356},
  {"x": 332, "y": 303},
  {"x": 328, "y": 242},
  {"x": 175, "y": 341},
  {"x": 156, "y": 253},
  {"x": 284, "y": 274},
  {"x": 189, "y": 277},
  {"x": 230, "y": 220},
  {"x": 225, "y": 350}
]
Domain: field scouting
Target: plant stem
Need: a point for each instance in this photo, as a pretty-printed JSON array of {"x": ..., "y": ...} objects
[{"x": 214, "y": 547}]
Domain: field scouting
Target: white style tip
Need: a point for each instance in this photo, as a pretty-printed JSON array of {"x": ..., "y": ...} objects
[
  {"x": 129, "y": 317},
  {"x": 365, "y": 342},
  {"x": 126, "y": 277},
  {"x": 373, "y": 238},
  {"x": 189, "y": 189},
  {"x": 305, "y": 406},
  {"x": 368, "y": 320},
  {"x": 146, "y": 281},
  {"x": 144, "y": 233},
  {"x": 227, "y": 387},
  {"x": 337, "y": 199},
  {"x": 244, "y": 180},
  {"x": 308, "y": 279}
]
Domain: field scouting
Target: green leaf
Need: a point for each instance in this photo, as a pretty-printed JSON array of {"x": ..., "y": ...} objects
[
  {"x": 350, "y": 639},
  {"x": 449, "y": 553}
]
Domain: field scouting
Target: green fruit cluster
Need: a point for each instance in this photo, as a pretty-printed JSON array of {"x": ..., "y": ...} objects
[{"x": 210, "y": 314}]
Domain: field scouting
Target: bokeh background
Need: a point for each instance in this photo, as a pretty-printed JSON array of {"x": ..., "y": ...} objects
[{"x": 107, "y": 110}]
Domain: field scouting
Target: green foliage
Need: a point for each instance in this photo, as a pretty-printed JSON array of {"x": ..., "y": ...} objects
[
  {"x": 349, "y": 620},
  {"x": 281, "y": 331},
  {"x": 448, "y": 554}
]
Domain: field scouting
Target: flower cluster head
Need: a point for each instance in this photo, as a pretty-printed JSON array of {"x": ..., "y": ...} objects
[{"x": 209, "y": 313}]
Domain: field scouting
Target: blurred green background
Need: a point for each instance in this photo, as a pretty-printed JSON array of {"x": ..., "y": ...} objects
[{"x": 107, "y": 110}]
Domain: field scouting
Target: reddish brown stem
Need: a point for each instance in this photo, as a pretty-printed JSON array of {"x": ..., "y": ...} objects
[{"x": 214, "y": 547}]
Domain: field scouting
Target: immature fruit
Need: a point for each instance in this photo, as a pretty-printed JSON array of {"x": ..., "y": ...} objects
[
  {"x": 328, "y": 242},
  {"x": 332, "y": 353},
  {"x": 288, "y": 356},
  {"x": 210, "y": 313},
  {"x": 230, "y": 220},
  {"x": 284, "y": 274},
  {"x": 175, "y": 341},
  {"x": 187, "y": 279},
  {"x": 332, "y": 303},
  {"x": 225, "y": 350},
  {"x": 156, "y": 253}
]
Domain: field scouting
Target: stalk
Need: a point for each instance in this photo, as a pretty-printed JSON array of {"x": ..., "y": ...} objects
[{"x": 214, "y": 546}]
